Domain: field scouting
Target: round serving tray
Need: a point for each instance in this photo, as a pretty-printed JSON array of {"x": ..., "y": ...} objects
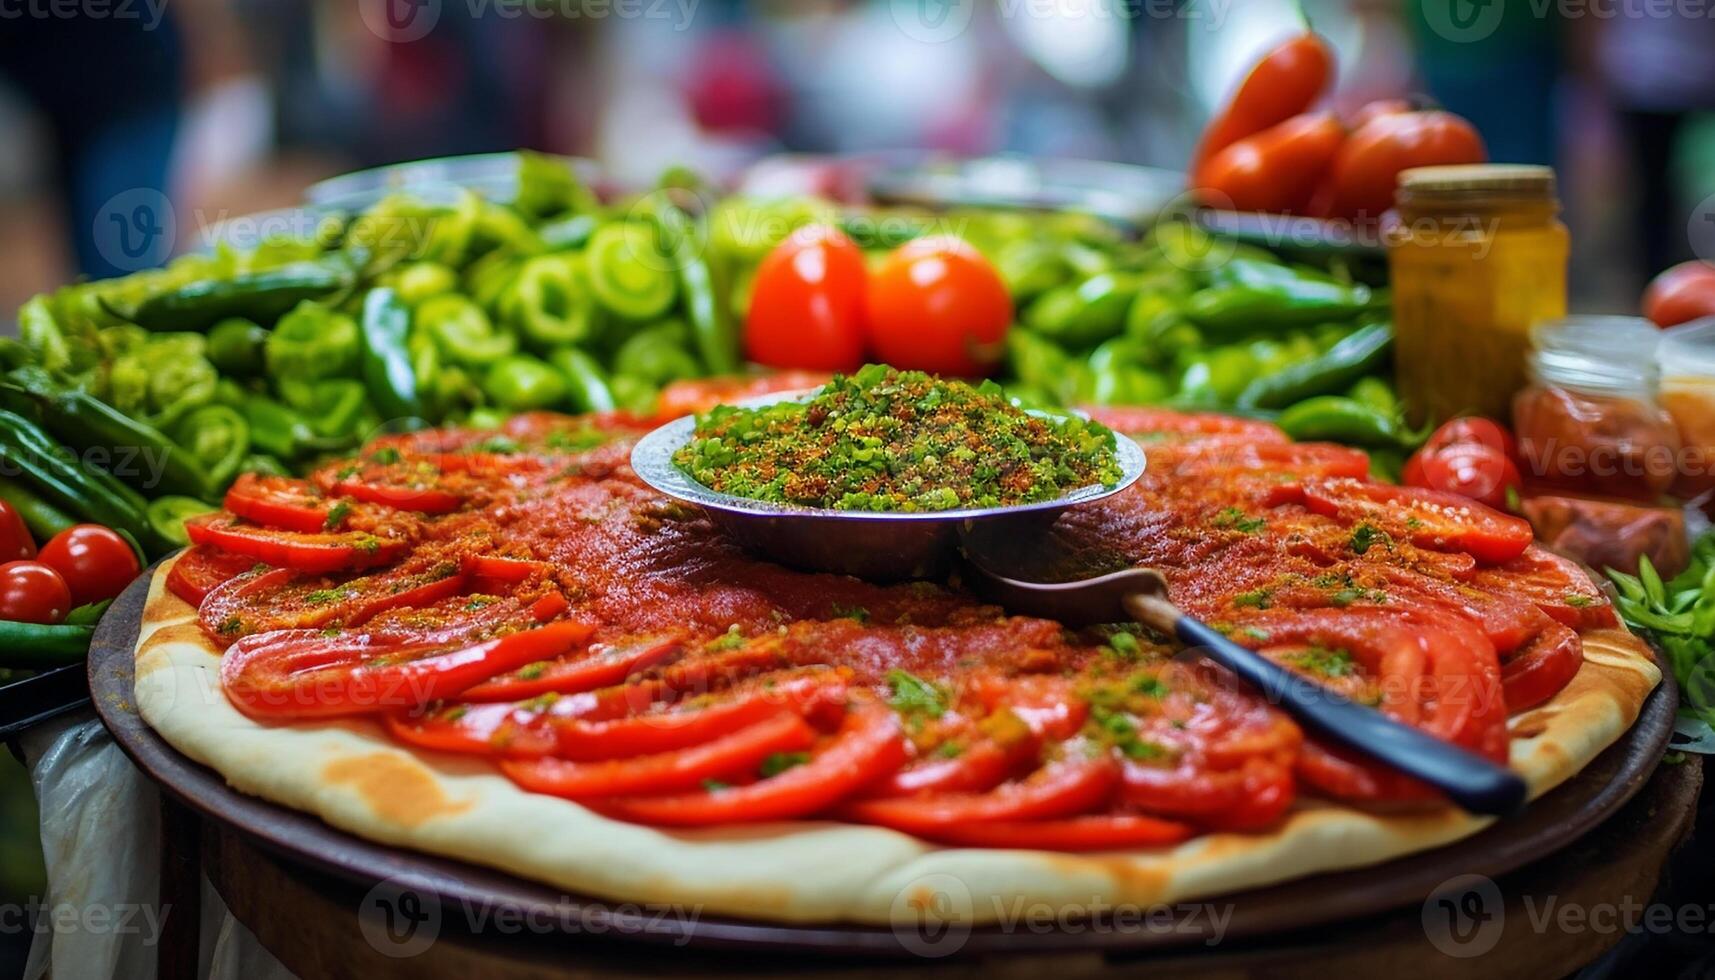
[{"x": 1551, "y": 823}]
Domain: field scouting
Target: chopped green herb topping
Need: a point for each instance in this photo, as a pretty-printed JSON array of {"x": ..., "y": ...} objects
[
  {"x": 779, "y": 762},
  {"x": 887, "y": 440},
  {"x": 1367, "y": 536},
  {"x": 337, "y": 515},
  {"x": 914, "y": 697},
  {"x": 1235, "y": 519},
  {"x": 1324, "y": 662}
]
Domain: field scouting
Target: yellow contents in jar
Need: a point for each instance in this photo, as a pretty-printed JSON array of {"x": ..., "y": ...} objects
[
  {"x": 1477, "y": 255},
  {"x": 1690, "y": 399}
]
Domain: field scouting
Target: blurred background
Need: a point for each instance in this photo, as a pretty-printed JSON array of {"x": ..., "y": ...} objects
[{"x": 228, "y": 107}]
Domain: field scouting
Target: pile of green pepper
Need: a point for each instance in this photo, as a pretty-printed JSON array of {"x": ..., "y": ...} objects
[{"x": 410, "y": 313}]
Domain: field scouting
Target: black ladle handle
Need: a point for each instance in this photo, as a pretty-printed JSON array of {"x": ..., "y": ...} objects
[{"x": 1468, "y": 779}]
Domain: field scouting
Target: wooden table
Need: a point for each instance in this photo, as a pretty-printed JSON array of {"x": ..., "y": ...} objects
[{"x": 311, "y": 922}]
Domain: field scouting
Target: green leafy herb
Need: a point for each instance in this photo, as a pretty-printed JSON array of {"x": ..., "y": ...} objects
[
  {"x": 1236, "y": 519},
  {"x": 914, "y": 697},
  {"x": 1367, "y": 536},
  {"x": 337, "y": 515},
  {"x": 779, "y": 762}
]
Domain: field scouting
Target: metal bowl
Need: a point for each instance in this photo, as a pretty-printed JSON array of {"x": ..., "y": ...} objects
[{"x": 875, "y": 545}]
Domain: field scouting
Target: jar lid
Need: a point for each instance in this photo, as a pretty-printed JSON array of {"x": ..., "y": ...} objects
[
  {"x": 1688, "y": 350},
  {"x": 1597, "y": 354},
  {"x": 1467, "y": 178}
]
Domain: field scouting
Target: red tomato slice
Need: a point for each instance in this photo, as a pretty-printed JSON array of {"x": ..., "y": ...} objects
[
  {"x": 648, "y": 733},
  {"x": 1556, "y": 585},
  {"x": 693, "y": 397},
  {"x": 315, "y": 553},
  {"x": 423, "y": 500},
  {"x": 1161, "y": 425},
  {"x": 308, "y": 674},
  {"x": 1251, "y": 797},
  {"x": 1092, "y": 832},
  {"x": 502, "y": 568},
  {"x": 869, "y": 744},
  {"x": 1429, "y": 519},
  {"x": 1538, "y": 670},
  {"x": 737, "y": 754},
  {"x": 280, "y": 502},
  {"x": 603, "y": 665},
  {"x": 507, "y": 731},
  {"x": 201, "y": 569},
  {"x": 281, "y": 598},
  {"x": 979, "y": 767},
  {"x": 1080, "y": 780}
]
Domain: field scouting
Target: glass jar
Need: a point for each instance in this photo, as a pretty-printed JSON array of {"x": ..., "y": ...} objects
[
  {"x": 1590, "y": 419},
  {"x": 1477, "y": 254},
  {"x": 1687, "y": 358}
]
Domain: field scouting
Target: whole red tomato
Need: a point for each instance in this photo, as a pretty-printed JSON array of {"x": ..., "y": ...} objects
[
  {"x": 95, "y": 562},
  {"x": 1378, "y": 108},
  {"x": 1367, "y": 167},
  {"x": 31, "y": 592},
  {"x": 1275, "y": 170},
  {"x": 937, "y": 305},
  {"x": 1473, "y": 428},
  {"x": 1684, "y": 292},
  {"x": 15, "y": 541},
  {"x": 807, "y": 306},
  {"x": 1469, "y": 469}
]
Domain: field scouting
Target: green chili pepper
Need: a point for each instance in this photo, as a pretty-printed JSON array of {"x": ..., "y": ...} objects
[
  {"x": 628, "y": 273},
  {"x": 1042, "y": 365},
  {"x": 262, "y": 296},
  {"x": 418, "y": 281},
  {"x": 313, "y": 342},
  {"x": 521, "y": 383},
  {"x": 635, "y": 395},
  {"x": 87, "y": 614},
  {"x": 218, "y": 438},
  {"x": 386, "y": 363},
  {"x": 91, "y": 493},
  {"x": 1121, "y": 375},
  {"x": 489, "y": 279},
  {"x": 549, "y": 186},
  {"x": 132, "y": 448},
  {"x": 1340, "y": 419},
  {"x": 32, "y": 646},
  {"x": 463, "y": 331},
  {"x": 549, "y": 303},
  {"x": 264, "y": 465},
  {"x": 1231, "y": 370},
  {"x": 1386, "y": 464},
  {"x": 235, "y": 347},
  {"x": 714, "y": 334},
  {"x": 1375, "y": 392},
  {"x": 586, "y": 382},
  {"x": 657, "y": 354},
  {"x": 568, "y": 233},
  {"x": 275, "y": 429},
  {"x": 1360, "y": 353},
  {"x": 1030, "y": 267},
  {"x": 40, "y": 332},
  {"x": 167, "y": 516},
  {"x": 503, "y": 228},
  {"x": 337, "y": 409},
  {"x": 1085, "y": 314},
  {"x": 1247, "y": 292},
  {"x": 42, "y": 518},
  {"x": 162, "y": 380}
]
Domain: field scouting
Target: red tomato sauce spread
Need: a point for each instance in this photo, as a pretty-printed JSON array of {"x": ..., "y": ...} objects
[{"x": 518, "y": 594}]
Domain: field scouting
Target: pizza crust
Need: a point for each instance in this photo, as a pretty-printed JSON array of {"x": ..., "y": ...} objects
[{"x": 357, "y": 778}]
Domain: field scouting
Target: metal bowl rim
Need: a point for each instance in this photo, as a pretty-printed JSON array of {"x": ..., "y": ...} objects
[{"x": 652, "y": 461}]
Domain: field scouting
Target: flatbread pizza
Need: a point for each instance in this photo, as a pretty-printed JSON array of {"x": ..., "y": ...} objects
[{"x": 501, "y": 647}]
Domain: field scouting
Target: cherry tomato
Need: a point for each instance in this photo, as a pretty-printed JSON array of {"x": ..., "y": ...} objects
[
  {"x": 1378, "y": 108},
  {"x": 1367, "y": 167},
  {"x": 1473, "y": 428},
  {"x": 807, "y": 308},
  {"x": 95, "y": 562},
  {"x": 937, "y": 305},
  {"x": 1287, "y": 81},
  {"x": 1275, "y": 170},
  {"x": 31, "y": 592},
  {"x": 1469, "y": 469},
  {"x": 1684, "y": 292},
  {"x": 16, "y": 544}
]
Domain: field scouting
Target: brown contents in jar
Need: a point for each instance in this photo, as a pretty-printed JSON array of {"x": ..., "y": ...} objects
[{"x": 1600, "y": 444}]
